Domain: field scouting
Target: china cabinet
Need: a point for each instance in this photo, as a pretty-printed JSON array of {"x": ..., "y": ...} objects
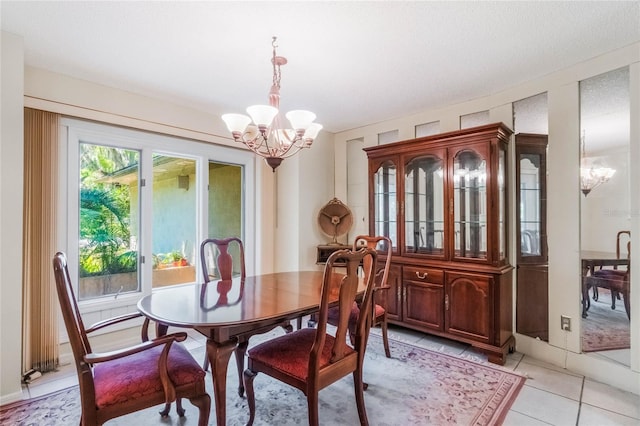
[{"x": 442, "y": 201}]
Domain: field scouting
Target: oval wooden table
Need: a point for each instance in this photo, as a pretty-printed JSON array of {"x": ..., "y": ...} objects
[{"x": 227, "y": 313}]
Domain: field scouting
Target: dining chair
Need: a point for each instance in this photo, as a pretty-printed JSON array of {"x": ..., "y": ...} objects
[
  {"x": 311, "y": 359},
  {"x": 123, "y": 381},
  {"x": 216, "y": 258},
  {"x": 379, "y": 313},
  {"x": 618, "y": 281}
]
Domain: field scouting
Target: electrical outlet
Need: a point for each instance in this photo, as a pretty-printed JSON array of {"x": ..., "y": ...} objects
[{"x": 565, "y": 322}]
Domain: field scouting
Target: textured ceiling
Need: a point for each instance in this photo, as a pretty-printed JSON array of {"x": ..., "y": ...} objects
[{"x": 353, "y": 63}]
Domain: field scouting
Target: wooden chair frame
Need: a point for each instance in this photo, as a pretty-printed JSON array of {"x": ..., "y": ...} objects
[
  {"x": 85, "y": 359},
  {"x": 321, "y": 371}
]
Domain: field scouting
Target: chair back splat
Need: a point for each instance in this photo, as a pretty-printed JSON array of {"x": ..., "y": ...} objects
[
  {"x": 120, "y": 382},
  {"x": 217, "y": 261},
  {"x": 310, "y": 359}
]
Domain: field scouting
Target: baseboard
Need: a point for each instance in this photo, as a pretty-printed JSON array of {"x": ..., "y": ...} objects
[{"x": 12, "y": 397}]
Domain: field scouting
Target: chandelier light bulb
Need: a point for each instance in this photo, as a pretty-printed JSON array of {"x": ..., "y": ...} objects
[
  {"x": 300, "y": 119},
  {"x": 236, "y": 123},
  {"x": 262, "y": 115},
  {"x": 312, "y": 131}
]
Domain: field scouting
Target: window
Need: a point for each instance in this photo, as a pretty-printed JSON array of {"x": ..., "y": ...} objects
[{"x": 138, "y": 206}]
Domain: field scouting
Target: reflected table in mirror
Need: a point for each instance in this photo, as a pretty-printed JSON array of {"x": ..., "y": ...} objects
[{"x": 591, "y": 260}]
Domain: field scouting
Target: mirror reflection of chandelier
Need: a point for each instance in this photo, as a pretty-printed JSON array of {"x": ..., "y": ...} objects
[
  {"x": 262, "y": 131},
  {"x": 592, "y": 173}
]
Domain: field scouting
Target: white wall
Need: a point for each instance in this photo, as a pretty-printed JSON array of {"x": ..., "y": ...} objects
[
  {"x": 563, "y": 200},
  {"x": 305, "y": 184},
  {"x": 11, "y": 187}
]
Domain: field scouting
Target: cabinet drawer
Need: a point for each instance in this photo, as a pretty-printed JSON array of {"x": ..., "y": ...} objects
[{"x": 421, "y": 274}]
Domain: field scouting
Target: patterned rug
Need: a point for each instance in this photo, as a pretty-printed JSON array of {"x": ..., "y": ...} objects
[
  {"x": 604, "y": 328},
  {"x": 416, "y": 386}
]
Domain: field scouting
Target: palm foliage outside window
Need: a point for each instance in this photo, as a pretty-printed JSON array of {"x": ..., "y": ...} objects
[{"x": 107, "y": 243}]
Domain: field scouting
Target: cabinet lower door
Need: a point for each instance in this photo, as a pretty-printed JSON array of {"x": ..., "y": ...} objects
[
  {"x": 423, "y": 305},
  {"x": 469, "y": 306}
]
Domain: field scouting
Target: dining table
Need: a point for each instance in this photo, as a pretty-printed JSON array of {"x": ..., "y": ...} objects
[
  {"x": 594, "y": 259},
  {"x": 229, "y": 312}
]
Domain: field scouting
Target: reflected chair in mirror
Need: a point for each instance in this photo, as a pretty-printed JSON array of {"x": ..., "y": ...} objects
[
  {"x": 217, "y": 260},
  {"x": 379, "y": 313},
  {"x": 617, "y": 281},
  {"x": 119, "y": 382},
  {"x": 311, "y": 359},
  {"x": 619, "y": 236}
]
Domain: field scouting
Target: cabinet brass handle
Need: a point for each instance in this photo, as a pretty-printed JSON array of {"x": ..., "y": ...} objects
[
  {"x": 446, "y": 302},
  {"x": 421, "y": 276}
]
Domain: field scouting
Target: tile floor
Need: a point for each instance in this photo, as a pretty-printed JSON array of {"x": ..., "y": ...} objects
[{"x": 550, "y": 396}]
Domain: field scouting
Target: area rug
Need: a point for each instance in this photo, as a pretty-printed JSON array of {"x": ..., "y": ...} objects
[
  {"x": 415, "y": 387},
  {"x": 605, "y": 329}
]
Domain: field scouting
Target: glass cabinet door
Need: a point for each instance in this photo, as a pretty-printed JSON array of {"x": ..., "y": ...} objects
[
  {"x": 424, "y": 205},
  {"x": 385, "y": 201},
  {"x": 470, "y": 204}
]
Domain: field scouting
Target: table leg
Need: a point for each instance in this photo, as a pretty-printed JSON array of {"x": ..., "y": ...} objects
[{"x": 219, "y": 355}]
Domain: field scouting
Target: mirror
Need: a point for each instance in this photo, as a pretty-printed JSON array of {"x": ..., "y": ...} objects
[
  {"x": 532, "y": 272},
  {"x": 604, "y": 212}
]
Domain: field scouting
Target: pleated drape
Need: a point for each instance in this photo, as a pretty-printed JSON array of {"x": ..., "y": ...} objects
[{"x": 40, "y": 303}]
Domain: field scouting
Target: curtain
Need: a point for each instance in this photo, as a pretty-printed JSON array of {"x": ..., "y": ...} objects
[{"x": 40, "y": 304}]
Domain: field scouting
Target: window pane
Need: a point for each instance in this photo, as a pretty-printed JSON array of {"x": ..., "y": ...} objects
[
  {"x": 225, "y": 208},
  {"x": 108, "y": 234},
  {"x": 174, "y": 220}
]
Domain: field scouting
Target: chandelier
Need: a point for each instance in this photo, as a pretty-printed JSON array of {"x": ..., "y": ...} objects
[
  {"x": 592, "y": 174},
  {"x": 262, "y": 131}
]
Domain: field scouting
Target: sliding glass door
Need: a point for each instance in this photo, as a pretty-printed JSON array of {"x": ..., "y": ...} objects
[{"x": 137, "y": 209}]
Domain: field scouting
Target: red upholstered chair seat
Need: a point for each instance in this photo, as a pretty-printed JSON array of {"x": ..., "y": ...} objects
[
  {"x": 130, "y": 378},
  {"x": 611, "y": 274},
  {"x": 290, "y": 353},
  {"x": 355, "y": 311}
]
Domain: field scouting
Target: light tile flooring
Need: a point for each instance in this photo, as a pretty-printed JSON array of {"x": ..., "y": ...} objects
[{"x": 550, "y": 396}]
